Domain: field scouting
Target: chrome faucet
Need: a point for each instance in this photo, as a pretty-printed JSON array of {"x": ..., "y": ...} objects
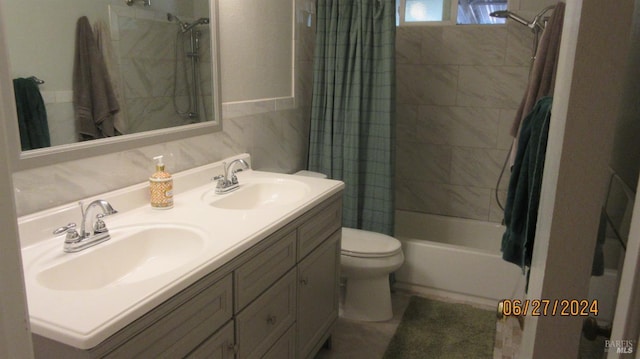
[
  {"x": 74, "y": 241},
  {"x": 228, "y": 183}
]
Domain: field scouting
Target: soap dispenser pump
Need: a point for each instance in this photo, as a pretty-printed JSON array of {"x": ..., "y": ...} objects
[{"x": 161, "y": 186}]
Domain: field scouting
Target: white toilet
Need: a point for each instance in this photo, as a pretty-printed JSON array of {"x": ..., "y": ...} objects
[{"x": 366, "y": 261}]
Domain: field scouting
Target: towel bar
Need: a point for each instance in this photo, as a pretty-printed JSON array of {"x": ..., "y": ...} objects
[
  {"x": 36, "y": 80},
  {"x": 132, "y": 2}
]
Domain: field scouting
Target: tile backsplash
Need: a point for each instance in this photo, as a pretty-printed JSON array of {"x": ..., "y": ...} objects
[{"x": 262, "y": 135}]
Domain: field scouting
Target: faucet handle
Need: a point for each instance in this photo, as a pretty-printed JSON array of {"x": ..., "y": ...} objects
[
  {"x": 234, "y": 178},
  {"x": 70, "y": 230},
  {"x": 221, "y": 181},
  {"x": 100, "y": 226}
]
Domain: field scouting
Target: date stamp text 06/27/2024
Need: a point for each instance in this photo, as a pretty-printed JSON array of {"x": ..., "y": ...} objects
[{"x": 550, "y": 307}]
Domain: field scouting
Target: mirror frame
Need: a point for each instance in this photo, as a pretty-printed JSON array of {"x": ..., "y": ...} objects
[{"x": 63, "y": 153}]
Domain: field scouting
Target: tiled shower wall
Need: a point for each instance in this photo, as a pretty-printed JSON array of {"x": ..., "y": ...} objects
[
  {"x": 458, "y": 88},
  {"x": 148, "y": 63}
]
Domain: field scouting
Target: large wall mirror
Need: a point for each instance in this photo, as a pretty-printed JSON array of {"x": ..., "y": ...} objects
[{"x": 160, "y": 58}]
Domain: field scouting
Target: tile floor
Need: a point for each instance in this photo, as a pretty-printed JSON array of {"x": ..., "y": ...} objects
[{"x": 361, "y": 340}]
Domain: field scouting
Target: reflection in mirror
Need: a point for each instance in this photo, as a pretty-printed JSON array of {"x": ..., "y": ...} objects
[
  {"x": 257, "y": 60},
  {"x": 154, "y": 69}
]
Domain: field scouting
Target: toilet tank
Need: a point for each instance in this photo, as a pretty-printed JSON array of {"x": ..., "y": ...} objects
[{"x": 310, "y": 174}]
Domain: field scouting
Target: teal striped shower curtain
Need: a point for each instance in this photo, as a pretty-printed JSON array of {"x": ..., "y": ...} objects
[{"x": 353, "y": 107}]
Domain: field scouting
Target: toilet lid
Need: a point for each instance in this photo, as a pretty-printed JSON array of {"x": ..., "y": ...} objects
[{"x": 359, "y": 243}]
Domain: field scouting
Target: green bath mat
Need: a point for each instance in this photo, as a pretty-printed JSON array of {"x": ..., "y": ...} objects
[{"x": 434, "y": 329}]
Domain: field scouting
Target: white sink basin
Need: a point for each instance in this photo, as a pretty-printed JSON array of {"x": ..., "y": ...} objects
[
  {"x": 259, "y": 194},
  {"x": 133, "y": 254}
]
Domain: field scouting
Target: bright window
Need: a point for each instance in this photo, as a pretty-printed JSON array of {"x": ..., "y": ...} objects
[
  {"x": 423, "y": 10},
  {"x": 429, "y": 12}
]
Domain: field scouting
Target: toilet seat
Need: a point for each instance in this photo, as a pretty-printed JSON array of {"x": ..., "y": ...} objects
[{"x": 366, "y": 244}]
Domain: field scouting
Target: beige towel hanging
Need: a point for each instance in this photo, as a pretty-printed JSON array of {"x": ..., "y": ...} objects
[
  {"x": 93, "y": 98},
  {"x": 103, "y": 41},
  {"x": 543, "y": 72}
]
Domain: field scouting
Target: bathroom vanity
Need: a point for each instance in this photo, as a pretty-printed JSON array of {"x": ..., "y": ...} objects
[{"x": 268, "y": 290}]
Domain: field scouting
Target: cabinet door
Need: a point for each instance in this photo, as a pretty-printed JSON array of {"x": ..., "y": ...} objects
[
  {"x": 318, "y": 288},
  {"x": 219, "y": 346},
  {"x": 263, "y": 321}
]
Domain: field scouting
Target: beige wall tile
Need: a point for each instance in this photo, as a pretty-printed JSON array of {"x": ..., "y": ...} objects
[
  {"x": 464, "y": 45},
  {"x": 491, "y": 86},
  {"x": 466, "y": 85},
  {"x": 443, "y": 199},
  {"x": 458, "y": 126},
  {"x": 423, "y": 162}
]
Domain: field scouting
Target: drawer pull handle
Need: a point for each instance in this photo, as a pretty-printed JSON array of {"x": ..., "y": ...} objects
[
  {"x": 304, "y": 281},
  {"x": 232, "y": 347},
  {"x": 271, "y": 320}
]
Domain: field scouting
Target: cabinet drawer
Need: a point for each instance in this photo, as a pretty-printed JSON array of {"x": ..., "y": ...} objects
[
  {"x": 193, "y": 320},
  {"x": 319, "y": 224},
  {"x": 285, "y": 347},
  {"x": 219, "y": 346},
  {"x": 265, "y": 320},
  {"x": 258, "y": 274}
]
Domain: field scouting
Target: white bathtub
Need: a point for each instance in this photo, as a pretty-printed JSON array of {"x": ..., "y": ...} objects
[
  {"x": 455, "y": 258},
  {"x": 460, "y": 259}
]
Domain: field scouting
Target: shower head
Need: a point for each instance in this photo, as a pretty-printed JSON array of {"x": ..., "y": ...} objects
[
  {"x": 506, "y": 14},
  {"x": 500, "y": 13},
  {"x": 201, "y": 21},
  {"x": 172, "y": 17},
  {"x": 185, "y": 26},
  {"x": 537, "y": 24}
]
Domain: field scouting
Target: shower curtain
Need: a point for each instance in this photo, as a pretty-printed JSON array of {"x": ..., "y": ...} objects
[{"x": 353, "y": 107}]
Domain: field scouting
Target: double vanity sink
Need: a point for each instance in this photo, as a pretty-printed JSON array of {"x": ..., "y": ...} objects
[{"x": 81, "y": 299}]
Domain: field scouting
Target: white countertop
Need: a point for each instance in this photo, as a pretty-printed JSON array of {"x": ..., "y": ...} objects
[{"x": 85, "y": 318}]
